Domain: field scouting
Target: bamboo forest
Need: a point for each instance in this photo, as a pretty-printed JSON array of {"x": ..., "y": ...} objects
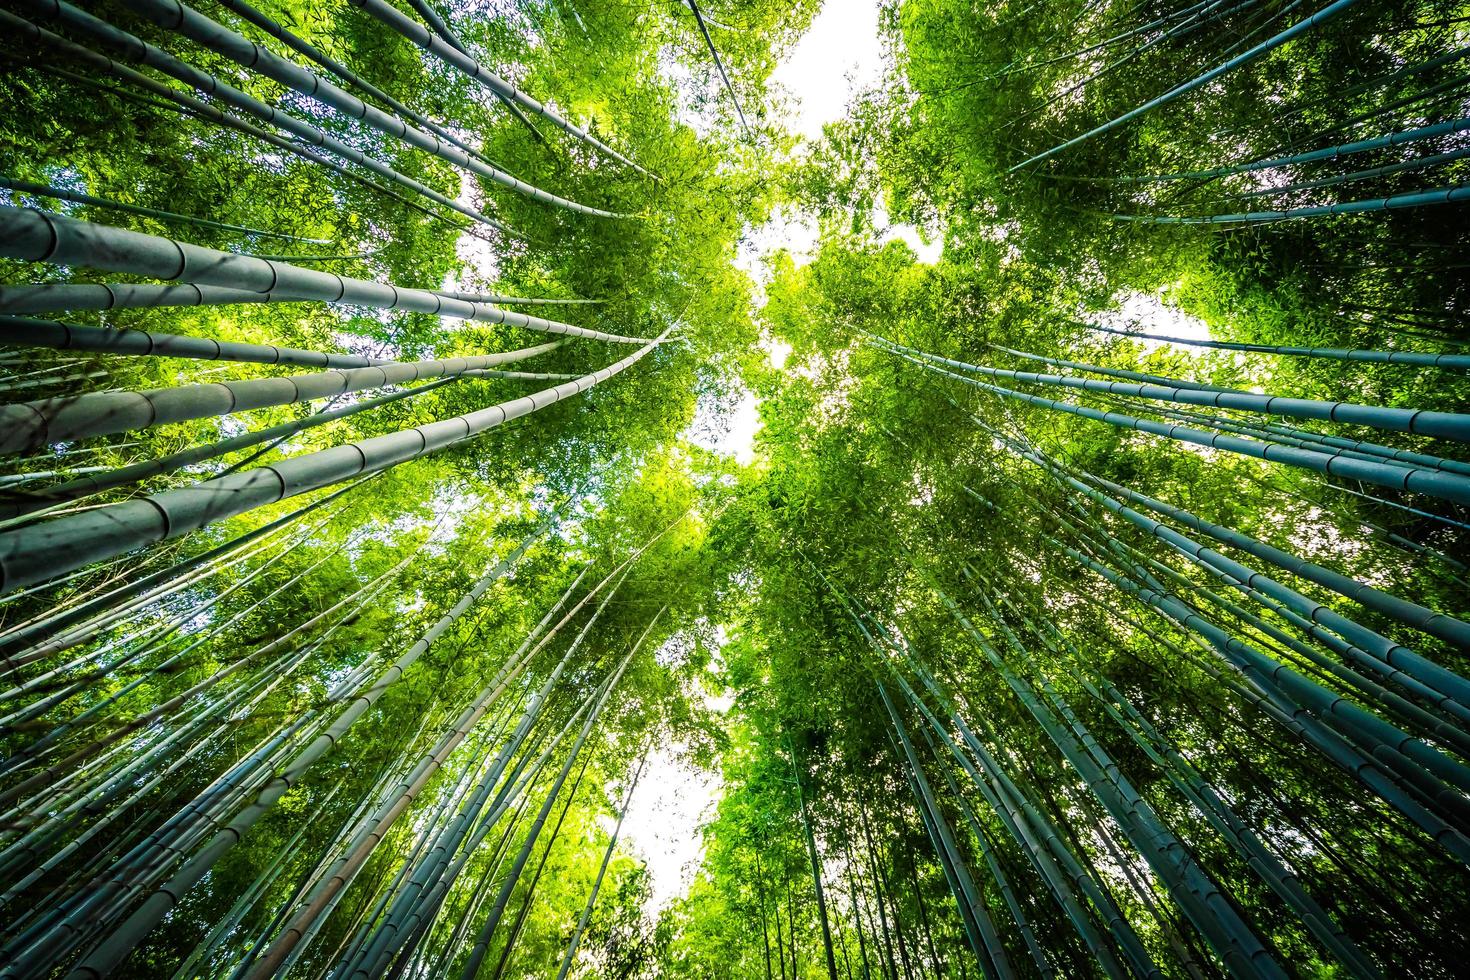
[{"x": 775, "y": 489}]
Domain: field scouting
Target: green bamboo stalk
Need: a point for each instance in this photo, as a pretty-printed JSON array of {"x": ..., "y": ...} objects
[
  {"x": 30, "y": 425},
  {"x": 1446, "y": 485},
  {"x": 204, "y": 82},
  {"x": 176, "y": 16},
  {"x": 92, "y": 484},
  {"x": 612, "y": 843},
  {"x": 110, "y": 952},
  {"x": 1456, "y": 361},
  {"x": 49, "y": 627},
  {"x": 1326, "y": 153},
  {"x": 1446, "y": 425},
  {"x": 33, "y": 553},
  {"x": 1394, "y": 202},
  {"x": 477, "y": 952},
  {"x": 34, "y": 236},
  {"x": 431, "y": 43},
  {"x": 316, "y": 55},
  {"x": 1239, "y": 61},
  {"x": 984, "y": 940}
]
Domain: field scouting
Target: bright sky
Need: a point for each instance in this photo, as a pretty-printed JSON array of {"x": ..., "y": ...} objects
[
  {"x": 842, "y": 48},
  {"x": 841, "y": 52}
]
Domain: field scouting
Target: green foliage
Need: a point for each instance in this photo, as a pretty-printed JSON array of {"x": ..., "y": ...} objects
[{"x": 935, "y": 633}]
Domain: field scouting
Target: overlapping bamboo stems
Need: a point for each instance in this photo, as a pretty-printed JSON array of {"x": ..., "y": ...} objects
[
  {"x": 1444, "y": 768},
  {"x": 154, "y": 57},
  {"x": 419, "y": 898},
  {"x": 982, "y": 839},
  {"x": 1260, "y": 672},
  {"x": 979, "y": 927},
  {"x": 1025, "y": 824},
  {"x": 1192, "y": 891},
  {"x": 1367, "y": 85},
  {"x": 176, "y": 16},
  {"x": 981, "y": 836},
  {"x": 1442, "y": 686},
  {"x": 497, "y": 911},
  {"x": 139, "y": 651},
  {"x": 1162, "y": 21},
  {"x": 816, "y": 863},
  {"x": 1446, "y": 485},
  {"x": 109, "y": 952},
  {"x": 34, "y": 236},
  {"x": 56, "y": 933},
  {"x": 91, "y": 201},
  {"x": 193, "y": 964},
  {"x": 1237, "y": 576},
  {"x": 1368, "y": 173},
  {"x": 143, "y": 638},
  {"x": 1245, "y": 58},
  {"x": 1437, "y": 779},
  {"x": 427, "y": 832},
  {"x": 150, "y": 858},
  {"x": 612, "y": 842},
  {"x": 64, "y": 628},
  {"x": 519, "y": 300},
  {"x": 1152, "y": 379},
  {"x": 1192, "y": 785},
  {"x": 1393, "y": 202},
  {"x": 1311, "y": 442},
  {"x": 30, "y": 425},
  {"x": 28, "y": 332},
  {"x": 1202, "y": 18},
  {"x": 1426, "y": 723},
  {"x": 95, "y": 483},
  {"x": 426, "y": 39},
  {"x": 173, "y": 100},
  {"x": 55, "y": 297},
  {"x": 1444, "y": 425},
  {"x": 1290, "y": 435},
  {"x": 74, "y": 540},
  {"x": 242, "y": 703},
  {"x": 319, "y": 57},
  {"x": 509, "y": 945},
  {"x": 1329, "y": 153},
  {"x": 387, "y": 778},
  {"x": 323, "y": 900}
]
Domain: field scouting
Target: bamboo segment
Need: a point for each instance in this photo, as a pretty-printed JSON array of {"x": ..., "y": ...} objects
[
  {"x": 29, "y": 425},
  {"x": 176, "y": 16},
  {"x": 427, "y": 40},
  {"x": 24, "y": 332},
  {"x": 34, "y": 236},
  {"x": 32, "y": 554}
]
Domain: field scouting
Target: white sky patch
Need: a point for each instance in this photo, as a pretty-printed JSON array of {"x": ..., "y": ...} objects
[
  {"x": 841, "y": 53},
  {"x": 1149, "y": 313},
  {"x": 777, "y": 351},
  {"x": 727, "y": 433},
  {"x": 476, "y": 253},
  {"x": 664, "y": 824},
  {"x": 841, "y": 50}
]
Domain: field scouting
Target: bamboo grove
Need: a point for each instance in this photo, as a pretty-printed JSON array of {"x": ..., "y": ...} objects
[{"x": 1095, "y": 602}]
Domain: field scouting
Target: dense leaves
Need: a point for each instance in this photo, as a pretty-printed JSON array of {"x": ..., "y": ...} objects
[{"x": 1029, "y": 643}]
